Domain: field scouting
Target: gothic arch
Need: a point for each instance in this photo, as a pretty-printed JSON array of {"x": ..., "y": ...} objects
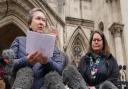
[
  {"x": 14, "y": 20},
  {"x": 21, "y": 8},
  {"x": 78, "y": 42},
  {"x": 8, "y": 33},
  {"x": 15, "y": 12}
]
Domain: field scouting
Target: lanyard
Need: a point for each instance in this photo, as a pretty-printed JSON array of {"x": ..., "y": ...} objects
[{"x": 94, "y": 67}]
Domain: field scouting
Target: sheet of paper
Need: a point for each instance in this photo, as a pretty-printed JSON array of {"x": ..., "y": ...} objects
[{"x": 39, "y": 41}]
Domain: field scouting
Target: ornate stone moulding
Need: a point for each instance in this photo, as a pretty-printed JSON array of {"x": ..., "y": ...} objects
[
  {"x": 116, "y": 29},
  {"x": 77, "y": 21}
]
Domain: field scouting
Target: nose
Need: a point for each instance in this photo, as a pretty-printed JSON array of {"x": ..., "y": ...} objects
[
  {"x": 42, "y": 22},
  {"x": 96, "y": 41}
]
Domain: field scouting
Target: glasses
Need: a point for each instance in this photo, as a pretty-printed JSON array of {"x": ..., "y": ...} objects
[{"x": 98, "y": 40}]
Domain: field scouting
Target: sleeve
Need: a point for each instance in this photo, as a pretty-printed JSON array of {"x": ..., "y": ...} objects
[
  {"x": 18, "y": 61},
  {"x": 114, "y": 71},
  {"x": 55, "y": 63},
  {"x": 81, "y": 66}
]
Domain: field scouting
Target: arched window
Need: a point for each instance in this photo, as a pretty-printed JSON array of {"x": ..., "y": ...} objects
[{"x": 101, "y": 26}]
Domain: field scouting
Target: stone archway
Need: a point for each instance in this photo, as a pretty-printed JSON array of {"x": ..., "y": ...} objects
[
  {"x": 77, "y": 45},
  {"x": 15, "y": 13},
  {"x": 7, "y": 34}
]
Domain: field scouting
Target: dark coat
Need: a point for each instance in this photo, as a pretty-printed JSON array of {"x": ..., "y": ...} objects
[{"x": 109, "y": 70}]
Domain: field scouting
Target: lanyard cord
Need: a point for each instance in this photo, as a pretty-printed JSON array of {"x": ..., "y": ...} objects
[{"x": 93, "y": 66}]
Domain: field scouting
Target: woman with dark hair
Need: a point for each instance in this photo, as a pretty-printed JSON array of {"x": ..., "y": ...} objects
[{"x": 98, "y": 67}]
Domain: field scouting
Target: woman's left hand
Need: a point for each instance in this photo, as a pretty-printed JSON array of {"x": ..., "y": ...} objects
[
  {"x": 52, "y": 30},
  {"x": 42, "y": 59}
]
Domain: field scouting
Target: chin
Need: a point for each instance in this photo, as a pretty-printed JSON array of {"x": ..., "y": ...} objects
[
  {"x": 39, "y": 31},
  {"x": 96, "y": 50}
]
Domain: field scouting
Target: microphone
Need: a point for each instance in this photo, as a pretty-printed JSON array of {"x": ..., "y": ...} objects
[
  {"x": 107, "y": 85},
  {"x": 8, "y": 55},
  {"x": 73, "y": 78},
  {"x": 2, "y": 61},
  {"x": 53, "y": 80},
  {"x": 24, "y": 79},
  {"x": 2, "y": 70}
]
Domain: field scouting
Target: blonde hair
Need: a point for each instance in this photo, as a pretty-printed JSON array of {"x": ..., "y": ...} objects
[{"x": 31, "y": 12}]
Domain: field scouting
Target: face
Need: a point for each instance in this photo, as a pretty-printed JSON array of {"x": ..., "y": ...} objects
[
  {"x": 97, "y": 43},
  {"x": 38, "y": 22}
]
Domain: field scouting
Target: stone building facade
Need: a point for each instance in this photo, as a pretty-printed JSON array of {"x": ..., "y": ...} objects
[{"x": 74, "y": 20}]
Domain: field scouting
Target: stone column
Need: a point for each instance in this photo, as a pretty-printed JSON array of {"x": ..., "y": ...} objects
[
  {"x": 115, "y": 11},
  {"x": 116, "y": 30},
  {"x": 124, "y": 13}
]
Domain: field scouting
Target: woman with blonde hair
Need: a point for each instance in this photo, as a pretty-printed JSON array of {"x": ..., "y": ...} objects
[{"x": 37, "y": 61}]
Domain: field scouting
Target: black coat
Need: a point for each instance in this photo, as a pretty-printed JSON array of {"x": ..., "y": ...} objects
[{"x": 110, "y": 65}]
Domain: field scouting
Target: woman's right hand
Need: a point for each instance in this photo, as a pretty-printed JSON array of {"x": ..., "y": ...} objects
[
  {"x": 31, "y": 58},
  {"x": 37, "y": 57}
]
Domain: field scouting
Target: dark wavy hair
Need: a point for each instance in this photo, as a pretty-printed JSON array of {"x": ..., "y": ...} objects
[{"x": 106, "y": 49}]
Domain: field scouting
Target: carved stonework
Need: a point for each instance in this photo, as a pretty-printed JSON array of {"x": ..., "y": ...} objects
[
  {"x": 19, "y": 9},
  {"x": 79, "y": 22},
  {"x": 88, "y": 0},
  {"x": 110, "y": 1},
  {"x": 101, "y": 26},
  {"x": 51, "y": 13},
  {"x": 77, "y": 49},
  {"x": 116, "y": 29},
  {"x": 3, "y": 10}
]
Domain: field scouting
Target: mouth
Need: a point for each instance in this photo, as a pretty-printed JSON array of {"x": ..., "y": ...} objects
[
  {"x": 96, "y": 46},
  {"x": 40, "y": 27}
]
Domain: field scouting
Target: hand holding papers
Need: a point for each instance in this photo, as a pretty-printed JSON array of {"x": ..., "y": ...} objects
[{"x": 39, "y": 41}]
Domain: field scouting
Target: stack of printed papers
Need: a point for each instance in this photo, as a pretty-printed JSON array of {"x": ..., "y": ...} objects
[{"x": 39, "y": 41}]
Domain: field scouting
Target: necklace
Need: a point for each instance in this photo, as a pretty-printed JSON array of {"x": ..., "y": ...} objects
[{"x": 94, "y": 67}]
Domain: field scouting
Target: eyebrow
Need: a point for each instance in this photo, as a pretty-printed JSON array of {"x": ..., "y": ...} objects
[{"x": 40, "y": 17}]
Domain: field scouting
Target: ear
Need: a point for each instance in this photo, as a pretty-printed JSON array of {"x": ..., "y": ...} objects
[
  {"x": 30, "y": 27},
  {"x": 46, "y": 25}
]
